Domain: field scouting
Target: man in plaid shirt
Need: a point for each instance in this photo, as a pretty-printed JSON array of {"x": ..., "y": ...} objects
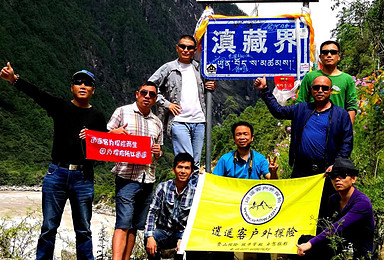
[
  {"x": 134, "y": 182},
  {"x": 169, "y": 209}
]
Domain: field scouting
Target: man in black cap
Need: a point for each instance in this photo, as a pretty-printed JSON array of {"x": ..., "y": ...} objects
[
  {"x": 352, "y": 218},
  {"x": 70, "y": 175}
]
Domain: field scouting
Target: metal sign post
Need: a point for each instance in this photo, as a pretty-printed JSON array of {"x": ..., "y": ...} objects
[{"x": 208, "y": 130}]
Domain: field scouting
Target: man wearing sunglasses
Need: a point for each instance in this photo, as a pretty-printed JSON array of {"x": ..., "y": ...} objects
[
  {"x": 70, "y": 175},
  {"x": 181, "y": 99},
  {"x": 321, "y": 132},
  {"x": 344, "y": 91},
  {"x": 134, "y": 182},
  {"x": 351, "y": 213}
]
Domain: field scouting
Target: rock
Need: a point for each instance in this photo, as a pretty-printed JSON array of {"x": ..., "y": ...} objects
[{"x": 66, "y": 255}]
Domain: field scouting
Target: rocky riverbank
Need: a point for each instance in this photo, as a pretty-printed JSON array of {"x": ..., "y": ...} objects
[
  {"x": 17, "y": 202},
  {"x": 99, "y": 208},
  {"x": 20, "y": 188}
]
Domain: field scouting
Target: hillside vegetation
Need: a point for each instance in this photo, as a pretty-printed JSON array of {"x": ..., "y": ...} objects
[{"x": 122, "y": 42}]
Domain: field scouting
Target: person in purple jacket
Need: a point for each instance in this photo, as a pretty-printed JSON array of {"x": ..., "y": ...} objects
[{"x": 352, "y": 218}]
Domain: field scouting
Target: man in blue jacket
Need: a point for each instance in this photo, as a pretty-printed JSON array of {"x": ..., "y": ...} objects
[{"x": 321, "y": 132}]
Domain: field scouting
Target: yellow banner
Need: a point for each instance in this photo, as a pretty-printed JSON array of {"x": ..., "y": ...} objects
[{"x": 242, "y": 215}]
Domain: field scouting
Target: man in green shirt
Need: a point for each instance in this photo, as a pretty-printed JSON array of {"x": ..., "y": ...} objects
[{"x": 343, "y": 85}]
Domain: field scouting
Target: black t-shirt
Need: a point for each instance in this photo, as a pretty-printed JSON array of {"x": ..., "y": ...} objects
[{"x": 68, "y": 121}]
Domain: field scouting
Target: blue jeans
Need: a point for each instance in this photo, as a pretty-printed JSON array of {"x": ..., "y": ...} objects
[
  {"x": 188, "y": 138},
  {"x": 59, "y": 185},
  {"x": 164, "y": 240}
]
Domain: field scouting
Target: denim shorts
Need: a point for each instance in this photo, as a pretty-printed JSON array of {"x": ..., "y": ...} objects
[{"x": 132, "y": 203}]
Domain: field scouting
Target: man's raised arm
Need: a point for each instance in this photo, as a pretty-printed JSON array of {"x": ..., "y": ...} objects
[{"x": 8, "y": 74}]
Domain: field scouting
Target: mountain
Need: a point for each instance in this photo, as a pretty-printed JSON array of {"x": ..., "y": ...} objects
[{"x": 122, "y": 41}]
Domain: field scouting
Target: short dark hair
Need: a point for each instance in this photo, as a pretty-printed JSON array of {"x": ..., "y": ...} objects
[
  {"x": 330, "y": 42},
  {"x": 244, "y": 123},
  {"x": 189, "y": 37},
  {"x": 183, "y": 157},
  {"x": 148, "y": 83}
]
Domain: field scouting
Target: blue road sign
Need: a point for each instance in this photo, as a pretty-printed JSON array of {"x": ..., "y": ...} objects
[{"x": 252, "y": 47}]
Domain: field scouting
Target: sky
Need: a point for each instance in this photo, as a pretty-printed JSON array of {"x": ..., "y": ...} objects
[{"x": 323, "y": 18}]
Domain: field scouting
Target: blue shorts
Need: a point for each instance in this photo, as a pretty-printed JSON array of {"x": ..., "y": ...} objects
[{"x": 132, "y": 203}]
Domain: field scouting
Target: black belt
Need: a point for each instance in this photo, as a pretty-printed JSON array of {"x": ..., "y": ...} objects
[
  {"x": 69, "y": 166},
  {"x": 315, "y": 166}
]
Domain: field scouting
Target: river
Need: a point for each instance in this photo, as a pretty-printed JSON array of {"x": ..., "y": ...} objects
[{"x": 16, "y": 204}]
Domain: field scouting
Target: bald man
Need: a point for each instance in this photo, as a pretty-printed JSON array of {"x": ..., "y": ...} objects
[{"x": 321, "y": 131}]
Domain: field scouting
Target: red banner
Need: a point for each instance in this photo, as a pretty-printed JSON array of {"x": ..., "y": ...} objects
[
  {"x": 284, "y": 83},
  {"x": 103, "y": 146}
]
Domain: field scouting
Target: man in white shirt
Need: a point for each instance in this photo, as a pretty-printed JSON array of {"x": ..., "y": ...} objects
[{"x": 181, "y": 99}]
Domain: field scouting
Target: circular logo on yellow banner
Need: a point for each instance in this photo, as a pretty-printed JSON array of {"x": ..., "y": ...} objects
[{"x": 261, "y": 204}]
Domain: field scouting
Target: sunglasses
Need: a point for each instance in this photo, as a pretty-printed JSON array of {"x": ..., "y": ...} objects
[
  {"x": 341, "y": 175},
  {"x": 144, "y": 93},
  {"x": 325, "y": 52},
  {"x": 323, "y": 87},
  {"x": 79, "y": 82},
  {"x": 189, "y": 47}
]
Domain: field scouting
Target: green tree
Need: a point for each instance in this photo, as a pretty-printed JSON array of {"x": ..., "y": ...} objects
[{"x": 360, "y": 34}]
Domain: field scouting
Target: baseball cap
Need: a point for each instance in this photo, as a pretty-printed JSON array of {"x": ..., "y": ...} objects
[{"x": 84, "y": 74}]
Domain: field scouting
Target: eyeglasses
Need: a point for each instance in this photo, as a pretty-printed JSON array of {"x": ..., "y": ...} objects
[
  {"x": 144, "y": 93},
  {"x": 189, "y": 47},
  {"x": 334, "y": 175},
  {"x": 79, "y": 82},
  {"x": 323, "y": 87},
  {"x": 325, "y": 52}
]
